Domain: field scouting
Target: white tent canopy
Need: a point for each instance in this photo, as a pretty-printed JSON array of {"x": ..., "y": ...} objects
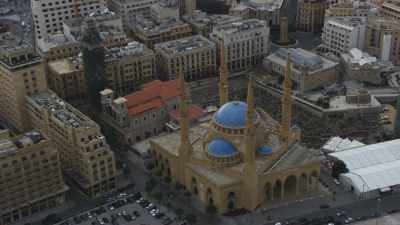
[{"x": 372, "y": 167}]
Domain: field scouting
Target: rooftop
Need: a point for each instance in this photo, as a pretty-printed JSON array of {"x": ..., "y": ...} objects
[
  {"x": 204, "y": 19},
  {"x": 133, "y": 48},
  {"x": 240, "y": 26},
  {"x": 12, "y": 145},
  {"x": 265, "y": 5},
  {"x": 151, "y": 27},
  {"x": 347, "y": 22},
  {"x": 62, "y": 111},
  {"x": 66, "y": 65},
  {"x": 183, "y": 45}
]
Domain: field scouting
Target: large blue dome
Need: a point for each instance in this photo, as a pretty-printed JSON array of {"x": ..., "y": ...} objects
[
  {"x": 232, "y": 114},
  {"x": 221, "y": 148}
]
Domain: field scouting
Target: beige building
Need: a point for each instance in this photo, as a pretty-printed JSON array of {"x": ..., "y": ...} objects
[
  {"x": 145, "y": 113},
  {"x": 129, "y": 9},
  {"x": 310, "y": 15},
  {"x": 30, "y": 177},
  {"x": 353, "y": 8},
  {"x": 49, "y": 15},
  {"x": 21, "y": 74},
  {"x": 242, "y": 158},
  {"x": 128, "y": 68},
  {"x": 310, "y": 71},
  {"x": 151, "y": 32},
  {"x": 245, "y": 43},
  {"x": 267, "y": 10},
  {"x": 390, "y": 9},
  {"x": 85, "y": 155},
  {"x": 194, "y": 56},
  {"x": 383, "y": 39},
  {"x": 57, "y": 46},
  {"x": 66, "y": 78}
]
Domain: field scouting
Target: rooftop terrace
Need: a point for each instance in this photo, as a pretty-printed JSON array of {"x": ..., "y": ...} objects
[
  {"x": 185, "y": 45},
  {"x": 240, "y": 26}
]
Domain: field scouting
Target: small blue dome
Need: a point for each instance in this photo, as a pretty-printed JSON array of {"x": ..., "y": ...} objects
[
  {"x": 221, "y": 148},
  {"x": 265, "y": 149},
  {"x": 232, "y": 114}
]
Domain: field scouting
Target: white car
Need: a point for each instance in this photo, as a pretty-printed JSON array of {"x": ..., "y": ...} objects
[
  {"x": 149, "y": 206},
  {"x": 348, "y": 220},
  {"x": 336, "y": 181},
  {"x": 278, "y": 223}
]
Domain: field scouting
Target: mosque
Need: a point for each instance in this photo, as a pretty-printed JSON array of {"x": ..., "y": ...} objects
[{"x": 242, "y": 158}]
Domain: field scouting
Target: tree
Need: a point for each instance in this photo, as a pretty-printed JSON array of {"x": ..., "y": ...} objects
[
  {"x": 191, "y": 219},
  {"x": 179, "y": 212},
  {"x": 150, "y": 166},
  {"x": 158, "y": 196},
  {"x": 158, "y": 173},
  {"x": 338, "y": 168},
  {"x": 167, "y": 179},
  {"x": 149, "y": 185},
  {"x": 178, "y": 186}
]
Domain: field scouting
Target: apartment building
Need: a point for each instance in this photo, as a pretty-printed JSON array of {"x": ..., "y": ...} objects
[
  {"x": 267, "y": 10},
  {"x": 309, "y": 71},
  {"x": 129, "y": 9},
  {"x": 245, "y": 42},
  {"x": 340, "y": 34},
  {"x": 353, "y": 8},
  {"x": 151, "y": 32},
  {"x": 128, "y": 68},
  {"x": 390, "y": 9},
  {"x": 164, "y": 11},
  {"x": 310, "y": 15},
  {"x": 85, "y": 156},
  {"x": 21, "y": 74},
  {"x": 383, "y": 39},
  {"x": 67, "y": 79},
  {"x": 194, "y": 57},
  {"x": 144, "y": 113},
  {"x": 30, "y": 177},
  {"x": 49, "y": 15}
]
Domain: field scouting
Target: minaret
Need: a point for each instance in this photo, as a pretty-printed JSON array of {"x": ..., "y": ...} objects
[
  {"x": 185, "y": 148},
  {"x": 250, "y": 172},
  {"x": 223, "y": 77},
  {"x": 286, "y": 106}
]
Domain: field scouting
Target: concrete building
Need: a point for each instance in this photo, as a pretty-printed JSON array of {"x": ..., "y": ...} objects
[
  {"x": 203, "y": 23},
  {"x": 49, "y": 15},
  {"x": 245, "y": 43},
  {"x": 150, "y": 32},
  {"x": 144, "y": 113},
  {"x": 390, "y": 9},
  {"x": 129, "y": 9},
  {"x": 383, "y": 39},
  {"x": 30, "y": 179},
  {"x": 21, "y": 74},
  {"x": 353, "y": 8},
  {"x": 128, "y": 68},
  {"x": 340, "y": 34},
  {"x": 360, "y": 66},
  {"x": 164, "y": 11},
  {"x": 67, "y": 79},
  {"x": 310, "y": 15},
  {"x": 267, "y": 10},
  {"x": 85, "y": 156},
  {"x": 66, "y": 43},
  {"x": 194, "y": 56},
  {"x": 310, "y": 71},
  {"x": 239, "y": 159},
  {"x": 187, "y": 7}
]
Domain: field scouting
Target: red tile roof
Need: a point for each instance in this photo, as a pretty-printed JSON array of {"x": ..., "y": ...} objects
[
  {"x": 195, "y": 112},
  {"x": 153, "y": 95}
]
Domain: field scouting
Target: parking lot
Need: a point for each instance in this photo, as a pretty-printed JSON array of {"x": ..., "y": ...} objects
[{"x": 125, "y": 210}]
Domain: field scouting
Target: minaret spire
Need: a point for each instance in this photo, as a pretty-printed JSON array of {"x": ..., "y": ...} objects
[
  {"x": 250, "y": 130},
  {"x": 286, "y": 105},
  {"x": 223, "y": 77},
  {"x": 185, "y": 148}
]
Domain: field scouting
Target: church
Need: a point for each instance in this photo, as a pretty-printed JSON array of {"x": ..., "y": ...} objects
[{"x": 242, "y": 158}]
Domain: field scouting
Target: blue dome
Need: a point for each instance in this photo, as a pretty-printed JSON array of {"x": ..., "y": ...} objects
[
  {"x": 265, "y": 149},
  {"x": 232, "y": 114},
  {"x": 221, "y": 148}
]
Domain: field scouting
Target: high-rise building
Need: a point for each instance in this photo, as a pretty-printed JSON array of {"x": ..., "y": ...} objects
[
  {"x": 48, "y": 15},
  {"x": 340, "y": 34},
  {"x": 310, "y": 15},
  {"x": 383, "y": 39},
  {"x": 30, "y": 176},
  {"x": 21, "y": 74},
  {"x": 85, "y": 156},
  {"x": 194, "y": 56},
  {"x": 245, "y": 42}
]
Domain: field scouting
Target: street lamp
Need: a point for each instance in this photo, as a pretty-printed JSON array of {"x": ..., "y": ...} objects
[{"x": 377, "y": 210}]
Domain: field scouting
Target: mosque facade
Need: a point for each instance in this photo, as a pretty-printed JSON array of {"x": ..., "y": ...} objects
[{"x": 242, "y": 158}]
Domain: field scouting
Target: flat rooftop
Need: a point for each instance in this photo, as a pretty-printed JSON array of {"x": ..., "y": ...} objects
[
  {"x": 10, "y": 146},
  {"x": 240, "y": 26},
  {"x": 66, "y": 65},
  {"x": 62, "y": 111},
  {"x": 266, "y": 5},
  {"x": 183, "y": 45},
  {"x": 133, "y": 48},
  {"x": 200, "y": 19},
  {"x": 150, "y": 27},
  {"x": 347, "y": 22}
]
